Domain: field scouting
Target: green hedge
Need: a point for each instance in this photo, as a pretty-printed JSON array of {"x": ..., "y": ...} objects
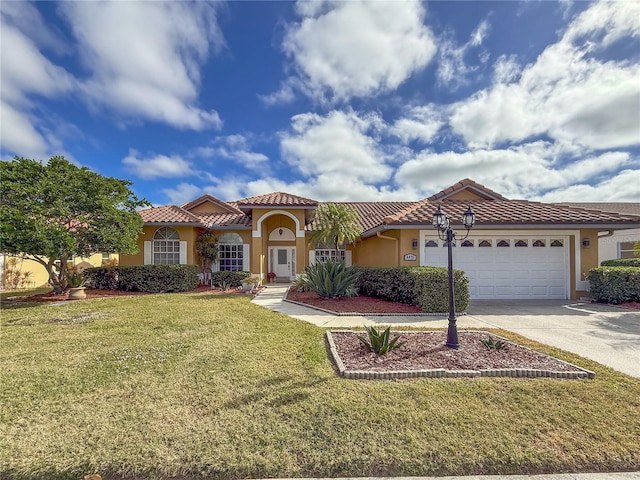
[
  {"x": 232, "y": 279},
  {"x": 144, "y": 278},
  {"x": 621, "y": 262},
  {"x": 615, "y": 284},
  {"x": 427, "y": 287}
]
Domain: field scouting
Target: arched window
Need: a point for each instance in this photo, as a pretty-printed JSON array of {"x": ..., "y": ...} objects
[
  {"x": 166, "y": 246},
  {"x": 231, "y": 255}
]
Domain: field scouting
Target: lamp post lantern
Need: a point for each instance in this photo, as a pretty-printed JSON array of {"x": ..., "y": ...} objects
[{"x": 443, "y": 225}]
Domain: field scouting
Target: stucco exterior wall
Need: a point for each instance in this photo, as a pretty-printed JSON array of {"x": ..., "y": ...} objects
[
  {"x": 378, "y": 252},
  {"x": 208, "y": 207},
  {"x": 608, "y": 246}
]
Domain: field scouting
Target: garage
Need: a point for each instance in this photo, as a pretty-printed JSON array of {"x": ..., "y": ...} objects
[{"x": 507, "y": 267}]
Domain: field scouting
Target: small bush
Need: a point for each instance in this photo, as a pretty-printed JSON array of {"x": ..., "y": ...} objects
[
  {"x": 332, "y": 279},
  {"x": 621, "y": 262},
  {"x": 144, "y": 278},
  {"x": 302, "y": 283},
  {"x": 426, "y": 287},
  {"x": 615, "y": 284},
  {"x": 231, "y": 279},
  {"x": 380, "y": 342}
]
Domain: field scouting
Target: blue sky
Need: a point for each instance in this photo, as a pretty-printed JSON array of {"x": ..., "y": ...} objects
[{"x": 375, "y": 100}]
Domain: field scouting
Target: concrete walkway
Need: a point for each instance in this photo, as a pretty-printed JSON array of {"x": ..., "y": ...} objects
[{"x": 606, "y": 334}]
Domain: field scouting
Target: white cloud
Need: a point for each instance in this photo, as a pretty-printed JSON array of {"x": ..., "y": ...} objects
[
  {"x": 144, "y": 57},
  {"x": 567, "y": 94},
  {"x": 157, "y": 166},
  {"x": 453, "y": 71},
  {"x": 506, "y": 69},
  {"x": 24, "y": 74},
  {"x": 358, "y": 48},
  {"x": 233, "y": 147},
  {"x": 418, "y": 123},
  {"x": 337, "y": 143},
  {"x": 183, "y": 193},
  {"x": 517, "y": 172},
  {"x": 622, "y": 187}
]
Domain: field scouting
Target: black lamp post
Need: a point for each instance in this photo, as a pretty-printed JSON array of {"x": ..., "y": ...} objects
[{"x": 443, "y": 225}]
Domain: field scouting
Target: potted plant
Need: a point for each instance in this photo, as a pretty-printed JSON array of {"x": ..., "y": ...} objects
[
  {"x": 250, "y": 283},
  {"x": 271, "y": 277},
  {"x": 76, "y": 286}
]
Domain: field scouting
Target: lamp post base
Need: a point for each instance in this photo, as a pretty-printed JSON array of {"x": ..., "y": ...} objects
[{"x": 452, "y": 335}]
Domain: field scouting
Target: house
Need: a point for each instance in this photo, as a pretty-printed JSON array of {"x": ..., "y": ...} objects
[
  {"x": 22, "y": 272},
  {"x": 517, "y": 249},
  {"x": 614, "y": 243}
]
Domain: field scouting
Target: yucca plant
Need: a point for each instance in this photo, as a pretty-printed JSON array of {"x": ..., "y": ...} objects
[
  {"x": 380, "y": 342},
  {"x": 332, "y": 279}
]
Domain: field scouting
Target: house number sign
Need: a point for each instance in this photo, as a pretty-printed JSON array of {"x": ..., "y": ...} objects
[{"x": 409, "y": 257}]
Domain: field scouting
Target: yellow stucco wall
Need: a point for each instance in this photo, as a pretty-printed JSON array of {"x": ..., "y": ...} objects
[
  {"x": 187, "y": 234},
  {"x": 208, "y": 207},
  {"x": 378, "y": 252},
  {"x": 38, "y": 274},
  {"x": 465, "y": 195}
]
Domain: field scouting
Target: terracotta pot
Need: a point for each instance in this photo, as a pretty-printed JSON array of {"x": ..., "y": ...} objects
[{"x": 77, "y": 293}]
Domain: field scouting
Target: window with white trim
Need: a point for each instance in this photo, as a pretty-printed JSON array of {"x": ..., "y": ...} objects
[
  {"x": 230, "y": 253},
  {"x": 322, "y": 255},
  {"x": 166, "y": 247}
]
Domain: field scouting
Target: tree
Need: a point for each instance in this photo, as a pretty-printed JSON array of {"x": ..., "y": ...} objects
[
  {"x": 335, "y": 224},
  {"x": 207, "y": 249},
  {"x": 51, "y": 212}
]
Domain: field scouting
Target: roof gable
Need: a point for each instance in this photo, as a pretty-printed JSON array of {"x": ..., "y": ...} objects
[
  {"x": 466, "y": 190},
  {"x": 279, "y": 199},
  {"x": 209, "y": 204}
]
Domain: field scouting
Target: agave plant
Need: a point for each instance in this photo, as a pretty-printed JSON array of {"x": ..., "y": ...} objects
[
  {"x": 492, "y": 344},
  {"x": 331, "y": 279},
  {"x": 380, "y": 342}
]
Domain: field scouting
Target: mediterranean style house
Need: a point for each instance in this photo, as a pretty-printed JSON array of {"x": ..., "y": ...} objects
[{"x": 517, "y": 249}]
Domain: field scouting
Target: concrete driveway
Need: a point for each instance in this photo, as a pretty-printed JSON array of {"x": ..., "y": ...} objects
[{"x": 607, "y": 334}]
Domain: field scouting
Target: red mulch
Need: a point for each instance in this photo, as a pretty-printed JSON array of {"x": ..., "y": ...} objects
[
  {"x": 633, "y": 305},
  {"x": 359, "y": 304}
]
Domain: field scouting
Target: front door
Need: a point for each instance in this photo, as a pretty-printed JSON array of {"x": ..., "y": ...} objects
[{"x": 281, "y": 262}]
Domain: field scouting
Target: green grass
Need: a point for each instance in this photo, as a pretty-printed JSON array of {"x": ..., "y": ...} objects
[
  {"x": 23, "y": 292},
  {"x": 194, "y": 386}
]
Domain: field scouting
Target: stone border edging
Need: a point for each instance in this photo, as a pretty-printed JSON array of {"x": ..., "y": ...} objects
[
  {"x": 442, "y": 373},
  {"x": 361, "y": 314}
]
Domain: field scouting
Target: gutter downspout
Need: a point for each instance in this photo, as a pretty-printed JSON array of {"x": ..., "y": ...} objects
[
  {"x": 608, "y": 234},
  {"x": 384, "y": 237}
]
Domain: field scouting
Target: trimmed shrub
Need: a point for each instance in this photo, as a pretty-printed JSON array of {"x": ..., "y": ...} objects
[
  {"x": 229, "y": 279},
  {"x": 427, "y": 287},
  {"x": 621, "y": 262},
  {"x": 103, "y": 278},
  {"x": 145, "y": 278},
  {"x": 615, "y": 284}
]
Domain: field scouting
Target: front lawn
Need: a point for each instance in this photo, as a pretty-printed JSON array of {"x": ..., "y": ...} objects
[{"x": 195, "y": 385}]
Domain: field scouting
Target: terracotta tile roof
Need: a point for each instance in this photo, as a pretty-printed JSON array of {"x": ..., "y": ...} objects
[
  {"x": 467, "y": 183},
  {"x": 623, "y": 208},
  {"x": 509, "y": 212},
  {"x": 168, "y": 214},
  {"x": 210, "y": 198},
  {"x": 277, "y": 199},
  {"x": 225, "y": 219},
  {"x": 371, "y": 214}
]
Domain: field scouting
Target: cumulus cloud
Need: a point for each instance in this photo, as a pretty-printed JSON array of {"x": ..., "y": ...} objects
[
  {"x": 25, "y": 74},
  {"x": 418, "y": 123},
  {"x": 157, "y": 166},
  {"x": 233, "y": 147},
  {"x": 144, "y": 58},
  {"x": 183, "y": 193},
  {"x": 521, "y": 171},
  {"x": 336, "y": 143},
  {"x": 622, "y": 187},
  {"x": 350, "y": 49},
  {"x": 567, "y": 93}
]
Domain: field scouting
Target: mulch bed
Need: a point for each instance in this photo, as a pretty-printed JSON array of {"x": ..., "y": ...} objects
[
  {"x": 422, "y": 350},
  {"x": 359, "y": 304}
]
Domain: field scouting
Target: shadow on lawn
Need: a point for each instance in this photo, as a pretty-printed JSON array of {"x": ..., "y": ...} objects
[{"x": 289, "y": 392}]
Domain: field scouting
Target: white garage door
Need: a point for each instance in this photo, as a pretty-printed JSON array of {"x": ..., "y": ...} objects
[{"x": 508, "y": 267}]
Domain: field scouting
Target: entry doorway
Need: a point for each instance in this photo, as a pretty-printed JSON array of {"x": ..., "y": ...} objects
[{"x": 282, "y": 262}]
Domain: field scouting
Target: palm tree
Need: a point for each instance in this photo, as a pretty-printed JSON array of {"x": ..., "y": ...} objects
[{"x": 335, "y": 224}]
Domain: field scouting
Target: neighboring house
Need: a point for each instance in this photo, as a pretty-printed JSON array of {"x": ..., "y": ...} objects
[
  {"x": 614, "y": 244},
  {"x": 21, "y": 272},
  {"x": 517, "y": 249}
]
